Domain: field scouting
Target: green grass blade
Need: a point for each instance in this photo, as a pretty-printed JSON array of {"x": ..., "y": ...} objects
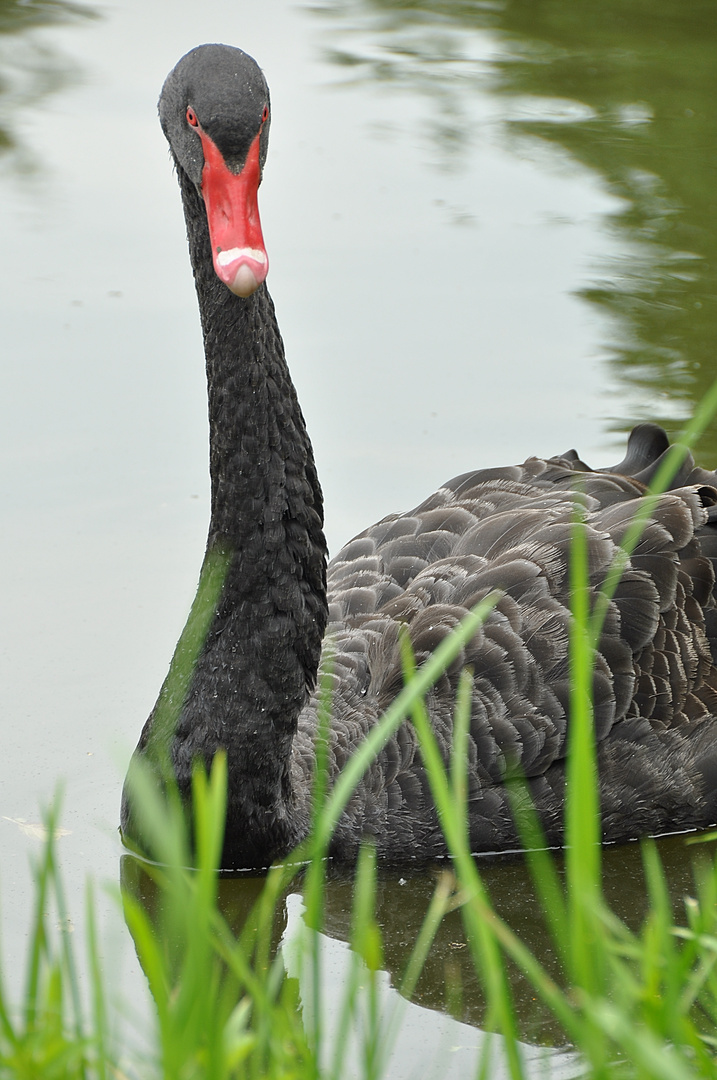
[
  {"x": 71, "y": 979},
  {"x": 99, "y": 1004},
  {"x": 38, "y": 938},
  {"x": 541, "y": 863},
  {"x": 657, "y": 1059},
  {"x": 583, "y": 853},
  {"x": 366, "y": 943},
  {"x": 487, "y": 957},
  {"x": 174, "y": 690},
  {"x": 442, "y": 901}
]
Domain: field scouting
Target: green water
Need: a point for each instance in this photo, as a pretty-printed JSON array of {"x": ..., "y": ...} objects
[{"x": 627, "y": 88}]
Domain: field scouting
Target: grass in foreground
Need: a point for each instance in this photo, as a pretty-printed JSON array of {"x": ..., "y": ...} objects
[
  {"x": 640, "y": 1005},
  {"x": 633, "y": 1004}
]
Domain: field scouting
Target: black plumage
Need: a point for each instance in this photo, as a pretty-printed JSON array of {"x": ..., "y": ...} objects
[{"x": 253, "y": 690}]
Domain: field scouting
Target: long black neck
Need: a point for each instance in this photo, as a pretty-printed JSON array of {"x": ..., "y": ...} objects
[{"x": 260, "y": 656}]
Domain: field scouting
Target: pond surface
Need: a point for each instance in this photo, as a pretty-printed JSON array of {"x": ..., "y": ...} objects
[{"x": 492, "y": 233}]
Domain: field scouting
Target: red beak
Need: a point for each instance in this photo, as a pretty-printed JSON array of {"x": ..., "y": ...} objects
[{"x": 238, "y": 251}]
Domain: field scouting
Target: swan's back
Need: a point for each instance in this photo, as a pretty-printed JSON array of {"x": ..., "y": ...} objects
[{"x": 654, "y": 685}]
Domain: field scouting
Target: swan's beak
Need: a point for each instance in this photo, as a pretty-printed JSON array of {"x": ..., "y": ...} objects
[{"x": 238, "y": 251}]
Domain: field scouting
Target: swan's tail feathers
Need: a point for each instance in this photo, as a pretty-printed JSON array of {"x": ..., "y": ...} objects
[{"x": 646, "y": 446}]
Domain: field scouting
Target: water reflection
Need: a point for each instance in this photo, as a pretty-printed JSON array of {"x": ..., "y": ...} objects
[
  {"x": 30, "y": 68},
  {"x": 416, "y": 1040},
  {"x": 448, "y": 1007},
  {"x": 626, "y": 89},
  {"x": 449, "y": 982}
]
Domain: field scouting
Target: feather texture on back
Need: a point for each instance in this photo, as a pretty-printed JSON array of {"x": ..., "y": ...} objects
[{"x": 654, "y": 684}]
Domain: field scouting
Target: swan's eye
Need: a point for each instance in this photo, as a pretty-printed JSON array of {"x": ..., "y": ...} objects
[
  {"x": 192, "y": 117},
  {"x": 265, "y": 114}
]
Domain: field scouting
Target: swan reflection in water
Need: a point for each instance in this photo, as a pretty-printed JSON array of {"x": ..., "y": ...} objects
[
  {"x": 416, "y": 1037},
  {"x": 413, "y": 1040},
  {"x": 423, "y": 1031}
]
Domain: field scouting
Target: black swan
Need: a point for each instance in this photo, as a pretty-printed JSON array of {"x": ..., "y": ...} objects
[{"x": 253, "y": 690}]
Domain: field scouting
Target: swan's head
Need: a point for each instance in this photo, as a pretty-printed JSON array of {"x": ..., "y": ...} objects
[{"x": 214, "y": 110}]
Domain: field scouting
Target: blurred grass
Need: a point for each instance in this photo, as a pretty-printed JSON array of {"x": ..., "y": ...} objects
[
  {"x": 633, "y": 1003},
  {"x": 637, "y": 1004}
]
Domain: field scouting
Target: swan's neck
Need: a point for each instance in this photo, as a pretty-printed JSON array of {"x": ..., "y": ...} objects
[{"x": 261, "y": 654}]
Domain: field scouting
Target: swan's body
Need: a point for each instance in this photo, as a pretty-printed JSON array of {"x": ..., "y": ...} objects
[{"x": 253, "y": 689}]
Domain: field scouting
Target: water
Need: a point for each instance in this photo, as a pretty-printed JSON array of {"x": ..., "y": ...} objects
[{"x": 491, "y": 234}]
